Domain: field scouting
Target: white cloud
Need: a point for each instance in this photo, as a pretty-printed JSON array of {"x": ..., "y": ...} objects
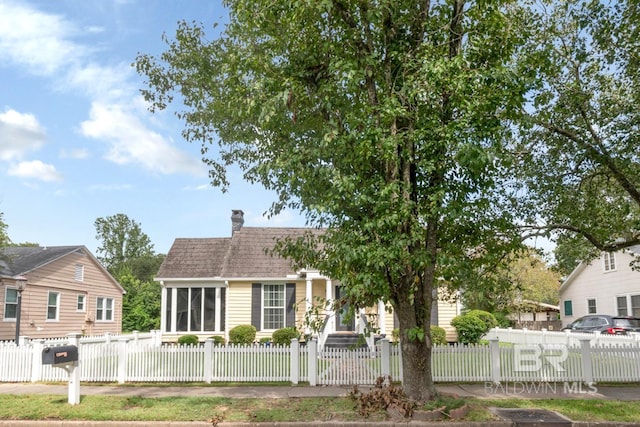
[
  {"x": 130, "y": 142},
  {"x": 38, "y": 40},
  {"x": 100, "y": 81},
  {"x": 75, "y": 153},
  {"x": 35, "y": 169},
  {"x": 19, "y": 133}
]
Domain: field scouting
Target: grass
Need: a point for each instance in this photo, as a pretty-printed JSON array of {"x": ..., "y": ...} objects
[{"x": 218, "y": 409}]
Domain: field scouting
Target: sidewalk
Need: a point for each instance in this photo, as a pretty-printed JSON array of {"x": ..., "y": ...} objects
[{"x": 479, "y": 390}]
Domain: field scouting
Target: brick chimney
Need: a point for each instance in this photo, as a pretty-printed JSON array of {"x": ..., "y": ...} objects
[{"x": 237, "y": 219}]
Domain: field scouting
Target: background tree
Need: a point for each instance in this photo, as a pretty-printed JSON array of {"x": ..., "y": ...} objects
[
  {"x": 128, "y": 255},
  {"x": 382, "y": 122},
  {"x": 524, "y": 275},
  {"x": 4, "y": 236},
  {"x": 579, "y": 145},
  {"x": 122, "y": 240}
]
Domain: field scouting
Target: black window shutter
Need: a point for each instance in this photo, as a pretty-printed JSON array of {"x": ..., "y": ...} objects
[
  {"x": 256, "y": 305},
  {"x": 290, "y": 299}
]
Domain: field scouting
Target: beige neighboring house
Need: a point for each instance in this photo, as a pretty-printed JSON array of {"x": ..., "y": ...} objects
[
  {"x": 210, "y": 285},
  {"x": 606, "y": 285},
  {"x": 67, "y": 291}
]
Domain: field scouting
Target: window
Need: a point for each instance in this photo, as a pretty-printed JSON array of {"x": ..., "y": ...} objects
[
  {"x": 621, "y": 302},
  {"x": 635, "y": 305},
  {"x": 80, "y": 302},
  {"x": 53, "y": 305},
  {"x": 568, "y": 308},
  {"x": 104, "y": 309},
  {"x": 79, "y": 273},
  {"x": 273, "y": 306},
  {"x": 591, "y": 306},
  {"x": 10, "y": 303},
  {"x": 196, "y": 309},
  {"x": 609, "y": 259}
]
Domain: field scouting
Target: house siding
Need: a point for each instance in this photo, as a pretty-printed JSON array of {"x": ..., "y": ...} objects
[
  {"x": 59, "y": 276},
  {"x": 239, "y": 305},
  {"x": 593, "y": 282}
]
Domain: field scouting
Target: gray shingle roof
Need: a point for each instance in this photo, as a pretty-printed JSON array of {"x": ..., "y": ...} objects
[
  {"x": 17, "y": 260},
  {"x": 241, "y": 256}
]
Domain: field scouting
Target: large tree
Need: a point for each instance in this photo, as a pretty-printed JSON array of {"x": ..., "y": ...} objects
[
  {"x": 579, "y": 145},
  {"x": 127, "y": 252},
  {"x": 122, "y": 240},
  {"x": 381, "y": 121}
]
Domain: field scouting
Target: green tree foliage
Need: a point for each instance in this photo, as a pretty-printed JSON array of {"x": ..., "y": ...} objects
[
  {"x": 581, "y": 132},
  {"x": 126, "y": 251},
  {"x": 141, "y": 303},
  {"x": 523, "y": 276},
  {"x": 382, "y": 122},
  {"x": 121, "y": 240},
  {"x": 4, "y": 235}
]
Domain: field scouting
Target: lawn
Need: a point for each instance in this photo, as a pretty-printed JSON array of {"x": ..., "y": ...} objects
[{"x": 220, "y": 409}]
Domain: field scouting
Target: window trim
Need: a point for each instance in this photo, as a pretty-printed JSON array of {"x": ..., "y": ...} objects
[
  {"x": 609, "y": 262},
  {"x": 57, "y": 306},
  {"x": 102, "y": 310},
  {"x": 595, "y": 306},
  {"x": 6, "y": 291},
  {"x": 84, "y": 303},
  {"x": 263, "y": 307}
]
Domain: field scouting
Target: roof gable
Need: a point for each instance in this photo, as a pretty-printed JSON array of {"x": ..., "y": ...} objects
[
  {"x": 20, "y": 260},
  {"x": 23, "y": 259},
  {"x": 244, "y": 255}
]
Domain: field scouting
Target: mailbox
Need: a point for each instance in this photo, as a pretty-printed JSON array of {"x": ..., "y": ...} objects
[{"x": 60, "y": 355}]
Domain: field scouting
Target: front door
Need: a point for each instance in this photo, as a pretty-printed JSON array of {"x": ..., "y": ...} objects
[{"x": 342, "y": 322}]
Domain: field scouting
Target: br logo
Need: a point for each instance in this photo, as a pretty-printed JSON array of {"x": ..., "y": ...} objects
[{"x": 532, "y": 357}]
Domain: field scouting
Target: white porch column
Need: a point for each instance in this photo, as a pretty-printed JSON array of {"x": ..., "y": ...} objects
[
  {"x": 381, "y": 317},
  {"x": 328, "y": 296},
  {"x": 163, "y": 307},
  {"x": 308, "y": 299}
]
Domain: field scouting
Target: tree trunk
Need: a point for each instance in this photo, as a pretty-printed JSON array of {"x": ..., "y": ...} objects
[{"x": 416, "y": 354}]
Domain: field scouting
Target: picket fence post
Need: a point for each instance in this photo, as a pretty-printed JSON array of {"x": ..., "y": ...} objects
[
  {"x": 494, "y": 347},
  {"x": 122, "y": 359},
  {"x": 295, "y": 361},
  {"x": 587, "y": 366},
  {"x": 385, "y": 359},
  {"x": 312, "y": 362},
  {"x": 36, "y": 364},
  {"x": 208, "y": 360}
]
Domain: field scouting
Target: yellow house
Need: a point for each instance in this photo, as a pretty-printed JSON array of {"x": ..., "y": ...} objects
[{"x": 210, "y": 285}]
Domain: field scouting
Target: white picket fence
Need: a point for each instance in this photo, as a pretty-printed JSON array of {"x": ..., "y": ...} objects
[{"x": 589, "y": 359}]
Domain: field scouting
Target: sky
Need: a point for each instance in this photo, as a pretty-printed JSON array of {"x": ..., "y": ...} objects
[{"x": 77, "y": 141}]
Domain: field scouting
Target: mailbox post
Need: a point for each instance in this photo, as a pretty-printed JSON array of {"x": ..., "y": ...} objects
[{"x": 65, "y": 357}]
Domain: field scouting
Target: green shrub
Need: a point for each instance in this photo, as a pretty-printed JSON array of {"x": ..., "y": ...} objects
[
  {"x": 188, "y": 340},
  {"x": 264, "y": 340},
  {"x": 395, "y": 335},
  {"x": 438, "y": 335},
  {"x": 242, "y": 334},
  {"x": 218, "y": 340},
  {"x": 285, "y": 335},
  {"x": 503, "y": 320},
  {"x": 488, "y": 318},
  {"x": 469, "y": 328}
]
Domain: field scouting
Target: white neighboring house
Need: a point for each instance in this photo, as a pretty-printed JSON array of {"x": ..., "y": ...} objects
[{"x": 606, "y": 285}]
